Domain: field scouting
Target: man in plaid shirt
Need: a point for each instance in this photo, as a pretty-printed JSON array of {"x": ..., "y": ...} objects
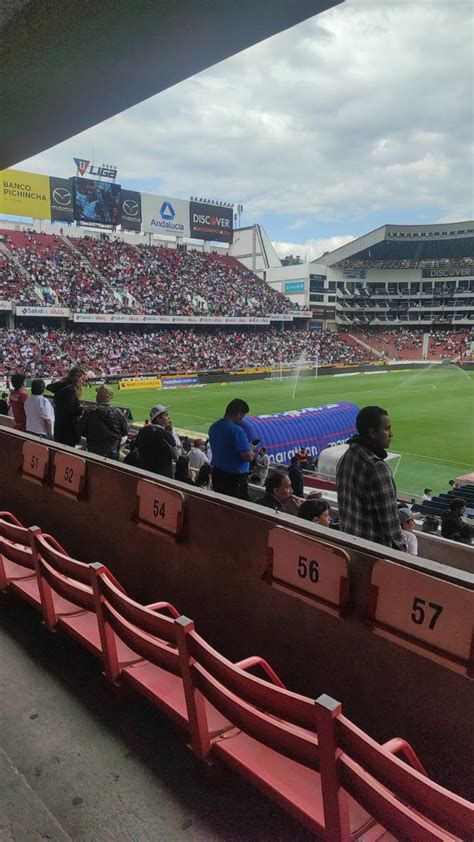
[{"x": 366, "y": 491}]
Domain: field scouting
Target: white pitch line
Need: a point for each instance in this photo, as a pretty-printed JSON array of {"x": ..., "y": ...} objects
[{"x": 434, "y": 459}]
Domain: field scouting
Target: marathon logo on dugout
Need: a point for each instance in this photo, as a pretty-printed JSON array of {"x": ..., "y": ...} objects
[{"x": 211, "y": 222}]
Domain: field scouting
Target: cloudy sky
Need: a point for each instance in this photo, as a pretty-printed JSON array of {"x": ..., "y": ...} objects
[{"x": 360, "y": 116}]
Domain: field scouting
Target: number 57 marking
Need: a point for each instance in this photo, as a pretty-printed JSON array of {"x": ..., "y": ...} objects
[{"x": 418, "y": 614}]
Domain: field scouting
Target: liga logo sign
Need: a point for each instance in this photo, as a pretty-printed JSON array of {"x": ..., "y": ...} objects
[
  {"x": 25, "y": 194},
  {"x": 211, "y": 222}
]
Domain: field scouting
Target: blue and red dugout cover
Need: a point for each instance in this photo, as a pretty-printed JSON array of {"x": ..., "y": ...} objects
[{"x": 314, "y": 428}]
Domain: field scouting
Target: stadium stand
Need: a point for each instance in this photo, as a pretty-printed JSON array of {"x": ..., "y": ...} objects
[
  {"x": 407, "y": 343},
  {"x": 306, "y": 755},
  {"x": 52, "y": 352},
  {"x": 91, "y": 276}
]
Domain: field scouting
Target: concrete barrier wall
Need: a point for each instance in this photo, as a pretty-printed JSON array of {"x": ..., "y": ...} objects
[{"x": 215, "y": 576}]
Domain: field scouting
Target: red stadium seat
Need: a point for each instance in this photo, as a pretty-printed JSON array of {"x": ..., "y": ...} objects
[
  {"x": 396, "y": 792},
  {"x": 311, "y": 760},
  {"x": 151, "y": 637},
  {"x": 17, "y": 569},
  {"x": 66, "y": 594},
  {"x": 273, "y": 742}
]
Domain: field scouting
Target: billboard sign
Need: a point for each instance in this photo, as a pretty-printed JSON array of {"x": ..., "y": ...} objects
[
  {"x": 96, "y": 201},
  {"x": 448, "y": 272},
  {"x": 25, "y": 194},
  {"x": 105, "y": 171},
  {"x": 164, "y": 215},
  {"x": 59, "y": 312},
  {"x": 131, "y": 204},
  {"x": 294, "y": 286},
  {"x": 211, "y": 222},
  {"x": 61, "y": 198}
]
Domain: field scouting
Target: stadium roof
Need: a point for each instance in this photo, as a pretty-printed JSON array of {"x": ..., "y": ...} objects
[
  {"x": 67, "y": 65},
  {"x": 361, "y": 247}
]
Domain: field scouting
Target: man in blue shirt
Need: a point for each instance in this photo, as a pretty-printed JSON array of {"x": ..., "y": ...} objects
[{"x": 231, "y": 452}]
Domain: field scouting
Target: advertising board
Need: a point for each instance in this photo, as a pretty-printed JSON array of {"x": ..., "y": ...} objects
[
  {"x": 56, "y": 312},
  {"x": 5, "y": 305},
  {"x": 211, "y": 222},
  {"x": 96, "y": 201},
  {"x": 121, "y": 318},
  {"x": 61, "y": 199},
  {"x": 164, "y": 215},
  {"x": 131, "y": 210},
  {"x": 140, "y": 383},
  {"x": 294, "y": 286},
  {"x": 25, "y": 194}
]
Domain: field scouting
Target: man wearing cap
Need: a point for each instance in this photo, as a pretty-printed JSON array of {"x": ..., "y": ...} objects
[
  {"x": 197, "y": 457},
  {"x": 407, "y": 522},
  {"x": 156, "y": 443},
  {"x": 104, "y": 426}
]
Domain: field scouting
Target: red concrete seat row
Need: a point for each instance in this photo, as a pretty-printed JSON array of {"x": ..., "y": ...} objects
[{"x": 304, "y": 754}]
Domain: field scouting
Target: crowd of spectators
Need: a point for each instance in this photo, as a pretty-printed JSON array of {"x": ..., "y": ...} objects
[
  {"x": 14, "y": 285},
  {"x": 406, "y": 263},
  {"x": 183, "y": 282},
  {"x": 61, "y": 275},
  {"x": 442, "y": 343},
  {"x": 110, "y": 276},
  {"x": 51, "y": 352}
]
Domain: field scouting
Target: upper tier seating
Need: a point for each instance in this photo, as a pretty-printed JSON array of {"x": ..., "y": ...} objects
[{"x": 140, "y": 279}]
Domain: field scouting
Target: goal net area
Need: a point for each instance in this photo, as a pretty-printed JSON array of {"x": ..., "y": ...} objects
[{"x": 301, "y": 368}]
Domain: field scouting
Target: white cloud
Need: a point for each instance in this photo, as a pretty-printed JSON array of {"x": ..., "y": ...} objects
[
  {"x": 360, "y": 111},
  {"x": 312, "y": 249}
]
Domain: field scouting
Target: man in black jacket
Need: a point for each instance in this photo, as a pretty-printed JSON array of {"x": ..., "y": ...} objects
[
  {"x": 104, "y": 426},
  {"x": 156, "y": 443},
  {"x": 296, "y": 476}
]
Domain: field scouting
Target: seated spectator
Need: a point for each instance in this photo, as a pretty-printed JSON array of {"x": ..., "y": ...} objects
[
  {"x": 156, "y": 444},
  {"x": 104, "y": 426},
  {"x": 296, "y": 476},
  {"x": 4, "y": 407},
  {"x": 197, "y": 457},
  {"x": 17, "y": 401},
  {"x": 203, "y": 479},
  {"x": 430, "y": 525},
  {"x": 278, "y": 492},
  {"x": 39, "y": 411},
  {"x": 452, "y": 524},
  {"x": 407, "y": 522},
  {"x": 182, "y": 470},
  {"x": 426, "y": 496},
  {"x": 317, "y": 511}
]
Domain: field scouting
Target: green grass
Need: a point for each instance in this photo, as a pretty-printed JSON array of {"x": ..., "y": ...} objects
[{"x": 432, "y": 412}]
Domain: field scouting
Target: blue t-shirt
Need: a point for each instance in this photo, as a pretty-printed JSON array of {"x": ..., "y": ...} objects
[{"x": 228, "y": 440}]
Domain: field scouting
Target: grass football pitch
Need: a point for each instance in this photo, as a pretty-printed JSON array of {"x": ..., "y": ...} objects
[{"x": 432, "y": 412}]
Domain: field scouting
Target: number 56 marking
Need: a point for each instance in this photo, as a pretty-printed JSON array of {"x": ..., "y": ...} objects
[{"x": 418, "y": 614}]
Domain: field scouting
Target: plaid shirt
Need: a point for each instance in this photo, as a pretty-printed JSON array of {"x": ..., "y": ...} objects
[{"x": 366, "y": 496}]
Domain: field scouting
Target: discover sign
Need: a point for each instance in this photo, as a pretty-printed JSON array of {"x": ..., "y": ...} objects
[{"x": 211, "y": 222}]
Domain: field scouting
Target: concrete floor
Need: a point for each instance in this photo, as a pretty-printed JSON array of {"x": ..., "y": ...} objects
[{"x": 83, "y": 760}]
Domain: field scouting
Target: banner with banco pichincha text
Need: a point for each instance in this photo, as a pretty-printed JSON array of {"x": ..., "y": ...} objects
[
  {"x": 137, "y": 383},
  {"x": 25, "y": 194}
]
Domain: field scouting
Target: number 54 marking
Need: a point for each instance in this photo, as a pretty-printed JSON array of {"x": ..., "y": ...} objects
[{"x": 418, "y": 614}]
